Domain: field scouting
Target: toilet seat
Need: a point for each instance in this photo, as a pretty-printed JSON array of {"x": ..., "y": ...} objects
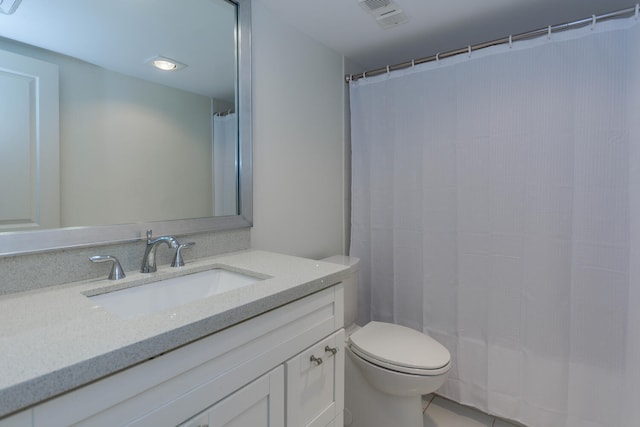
[{"x": 400, "y": 349}]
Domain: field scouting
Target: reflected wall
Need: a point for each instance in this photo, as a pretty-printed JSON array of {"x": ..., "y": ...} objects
[{"x": 130, "y": 150}]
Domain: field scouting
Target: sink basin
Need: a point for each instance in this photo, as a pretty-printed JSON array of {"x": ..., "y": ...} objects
[{"x": 153, "y": 297}]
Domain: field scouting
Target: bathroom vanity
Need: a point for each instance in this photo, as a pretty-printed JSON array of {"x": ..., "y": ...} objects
[{"x": 270, "y": 353}]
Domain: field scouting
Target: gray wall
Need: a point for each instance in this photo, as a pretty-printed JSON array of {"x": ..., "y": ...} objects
[{"x": 299, "y": 141}]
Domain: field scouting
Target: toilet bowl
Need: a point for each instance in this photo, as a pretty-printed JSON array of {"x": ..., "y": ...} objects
[{"x": 388, "y": 367}]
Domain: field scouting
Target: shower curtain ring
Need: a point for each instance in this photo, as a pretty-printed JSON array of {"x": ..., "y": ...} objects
[
  {"x": 510, "y": 41},
  {"x": 413, "y": 63},
  {"x": 637, "y": 10},
  {"x": 469, "y": 51},
  {"x": 549, "y": 32},
  {"x": 593, "y": 21},
  {"x": 388, "y": 72},
  {"x": 438, "y": 57}
]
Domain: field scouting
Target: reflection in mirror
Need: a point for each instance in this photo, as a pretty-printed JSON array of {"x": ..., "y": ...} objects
[{"x": 100, "y": 137}]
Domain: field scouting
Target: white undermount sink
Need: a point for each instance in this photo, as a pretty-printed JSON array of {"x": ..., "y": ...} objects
[{"x": 154, "y": 297}]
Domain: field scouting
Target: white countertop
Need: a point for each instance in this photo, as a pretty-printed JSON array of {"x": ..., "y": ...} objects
[{"x": 56, "y": 339}]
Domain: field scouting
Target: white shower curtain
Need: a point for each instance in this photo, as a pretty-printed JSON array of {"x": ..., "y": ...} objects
[
  {"x": 225, "y": 178},
  {"x": 496, "y": 207}
]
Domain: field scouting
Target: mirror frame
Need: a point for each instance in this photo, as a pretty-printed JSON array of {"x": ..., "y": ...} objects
[{"x": 24, "y": 242}]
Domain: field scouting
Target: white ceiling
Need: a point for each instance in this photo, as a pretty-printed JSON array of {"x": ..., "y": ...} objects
[
  {"x": 89, "y": 29},
  {"x": 121, "y": 35},
  {"x": 434, "y": 25}
]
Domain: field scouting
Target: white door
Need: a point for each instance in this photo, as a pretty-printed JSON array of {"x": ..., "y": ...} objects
[{"x": 29, "y": 143}]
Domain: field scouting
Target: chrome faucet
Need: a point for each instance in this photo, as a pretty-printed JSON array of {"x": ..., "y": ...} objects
[
  {"x": 117, "y": 272},
  {"x": 149, "y": 259}
]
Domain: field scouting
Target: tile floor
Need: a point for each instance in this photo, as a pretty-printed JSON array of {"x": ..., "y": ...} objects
[{"x": 440, "y": 412}]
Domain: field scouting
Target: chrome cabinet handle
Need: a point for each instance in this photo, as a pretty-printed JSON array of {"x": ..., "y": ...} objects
[
  {"x": 332, "y": 350},
  {"x": 316, "y": 360}
]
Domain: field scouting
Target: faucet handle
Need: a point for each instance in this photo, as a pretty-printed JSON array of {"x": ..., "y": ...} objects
[
  {"x": 117, "y": 272},
  {"x": 177, "y": 260}
]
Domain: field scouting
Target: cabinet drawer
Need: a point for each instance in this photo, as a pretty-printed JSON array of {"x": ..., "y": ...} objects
[{"x": 315, "y": 383}]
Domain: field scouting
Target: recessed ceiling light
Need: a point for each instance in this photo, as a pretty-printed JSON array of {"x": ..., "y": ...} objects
[{"x": 165, "y": 64}]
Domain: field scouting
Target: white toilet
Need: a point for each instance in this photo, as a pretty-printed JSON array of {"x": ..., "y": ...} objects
[{"x": 388, "y": 367}]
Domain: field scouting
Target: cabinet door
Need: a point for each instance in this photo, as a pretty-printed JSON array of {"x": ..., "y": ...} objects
[
  {"x": 258, "y": 404},
  {"x": 315, "y": 383}
]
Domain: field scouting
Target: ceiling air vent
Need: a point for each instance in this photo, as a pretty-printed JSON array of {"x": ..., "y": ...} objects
[
  {"x": 386, "y": 12},
  {"x": 391, "y": 19},
  {"x": 9, "y": 6},
  {"x": 377, "y": 7}
]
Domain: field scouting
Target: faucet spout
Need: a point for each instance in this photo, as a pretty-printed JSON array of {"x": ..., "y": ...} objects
[{"x": 149, "y": 258}]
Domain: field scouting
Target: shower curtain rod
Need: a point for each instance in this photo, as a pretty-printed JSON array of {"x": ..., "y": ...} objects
[{"x": 505, "y": 40}]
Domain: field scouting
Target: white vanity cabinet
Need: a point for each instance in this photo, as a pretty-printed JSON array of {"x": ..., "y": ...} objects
[
  {"x": 315, "y": 383},
  {"x": 314, "y": 393},
  {"x": 255, "y": 373}
]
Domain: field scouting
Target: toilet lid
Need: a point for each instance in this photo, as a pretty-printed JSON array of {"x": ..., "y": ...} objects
[{"x": 398, "y": 347}]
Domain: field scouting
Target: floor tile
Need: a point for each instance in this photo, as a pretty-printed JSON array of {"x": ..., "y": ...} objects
[{"x": 445, "y": 413}]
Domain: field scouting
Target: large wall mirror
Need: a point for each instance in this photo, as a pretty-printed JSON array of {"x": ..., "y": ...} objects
[{"x": 118, "y": 116}]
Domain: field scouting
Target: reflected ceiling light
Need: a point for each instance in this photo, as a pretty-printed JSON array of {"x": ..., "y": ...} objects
[
  {"x": 9, "y": 6},
  {"x": 165, "y": 64}
]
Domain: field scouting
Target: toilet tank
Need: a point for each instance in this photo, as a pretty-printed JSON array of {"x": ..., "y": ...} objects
[{"x": 350, "y": 286}]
